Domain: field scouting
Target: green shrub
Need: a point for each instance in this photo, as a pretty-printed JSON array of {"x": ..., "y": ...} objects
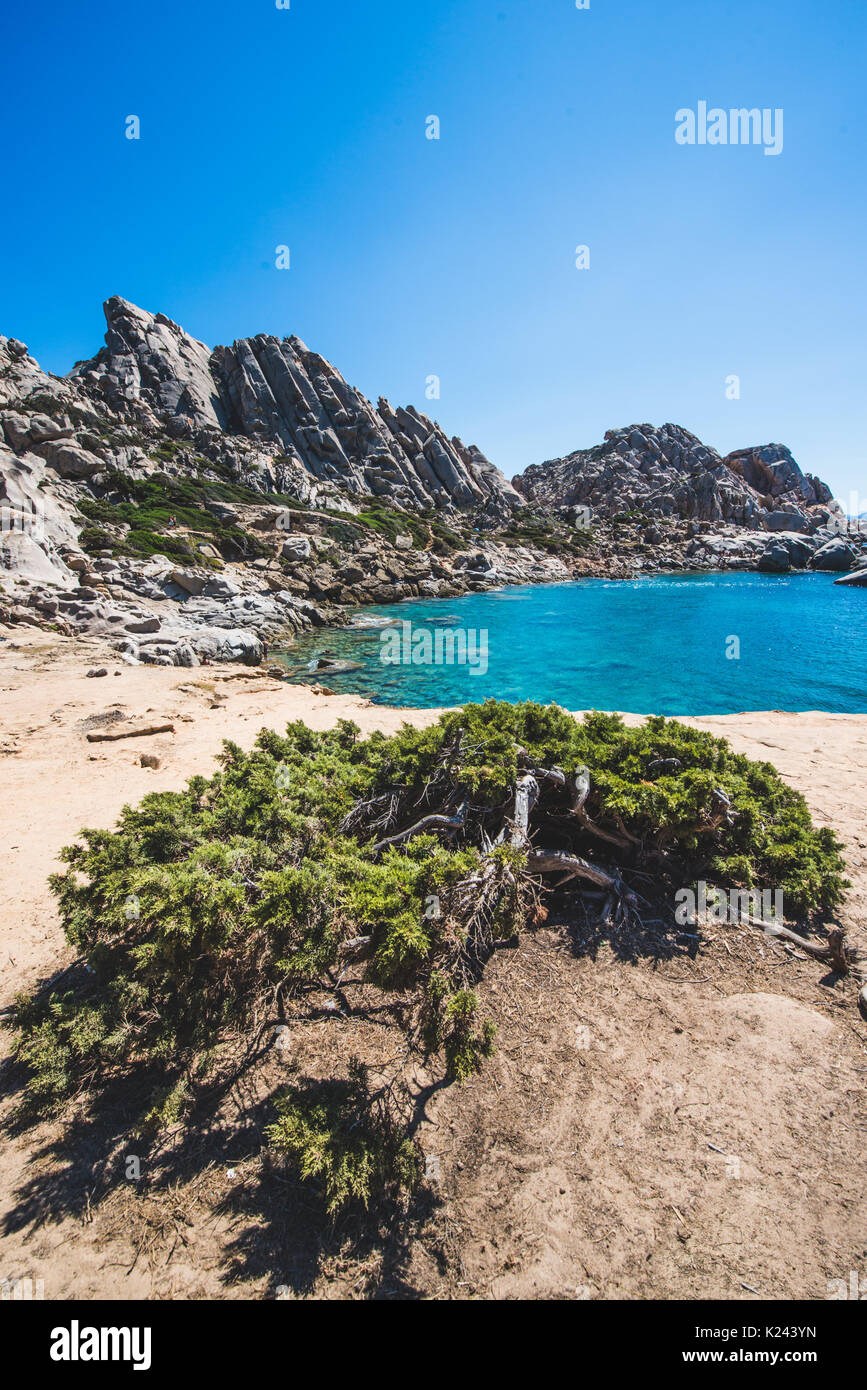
[
  {"x": 146, "y": 506},
  {"x": 336, "y": 1135},
  {"x": 208, "y": 909}
]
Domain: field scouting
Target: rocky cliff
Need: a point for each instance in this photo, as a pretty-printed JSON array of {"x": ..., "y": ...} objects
[
  {"x": 668, "y": 472},
  {"x": 188, "y": 504},
  {"x": 279, "y": 394}
]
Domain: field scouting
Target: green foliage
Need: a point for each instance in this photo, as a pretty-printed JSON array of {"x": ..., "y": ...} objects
[
  {"x": 146, "y": 506},
  {"x": 771, "y": 839},
  {"x": 206, "y": 907},
  {"x": 428, "y": 531},
  {"x": 545, "y": 533},
  {"x": 167, "y": 1108},
  {"x": 389, "y": 523},
  {"x": 333, "y": 1133},
  {"x": 452, "y": 1026}
]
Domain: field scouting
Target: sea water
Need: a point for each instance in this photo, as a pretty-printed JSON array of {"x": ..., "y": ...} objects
[{"x": 687, "y": 644}]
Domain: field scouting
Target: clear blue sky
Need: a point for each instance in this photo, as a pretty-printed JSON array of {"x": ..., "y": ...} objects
[{"x": 306, "y": 127}]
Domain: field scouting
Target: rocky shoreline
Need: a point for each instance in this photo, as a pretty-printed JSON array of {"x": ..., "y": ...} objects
[
  {"x": 163, "y": 614},
  {"x": 190, "y": 507}
]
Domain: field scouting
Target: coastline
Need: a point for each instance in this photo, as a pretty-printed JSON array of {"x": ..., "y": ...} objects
[
  {"x": 53, "y": 781},
  {"x": 623, "y": 1141},
  {"x": 674, "y": 644}
]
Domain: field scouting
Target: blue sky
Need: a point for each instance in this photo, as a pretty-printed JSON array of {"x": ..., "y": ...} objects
[{"x": 410, "y": 257}]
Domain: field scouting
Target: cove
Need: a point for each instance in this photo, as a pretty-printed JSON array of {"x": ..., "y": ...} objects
[{"x": 657, "y": 645}]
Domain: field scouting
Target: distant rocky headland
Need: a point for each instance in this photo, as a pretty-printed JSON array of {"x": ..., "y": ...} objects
[{"x": 189, "y": 504}]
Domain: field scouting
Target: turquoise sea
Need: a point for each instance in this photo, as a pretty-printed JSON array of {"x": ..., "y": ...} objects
[{"x": 664, "y": 645}]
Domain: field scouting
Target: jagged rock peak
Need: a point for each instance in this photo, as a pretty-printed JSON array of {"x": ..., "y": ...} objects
[
  {"x": 291, "y": 400},
  {"x": 668, "y": 471},
  {"x": 150, "y": 361},
  {"x": 772, "y": 470}
]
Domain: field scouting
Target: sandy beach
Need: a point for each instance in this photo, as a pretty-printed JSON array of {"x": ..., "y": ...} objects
[
  {"x": 592, "y": 1175},
  {"x": 53, "y": 780}
]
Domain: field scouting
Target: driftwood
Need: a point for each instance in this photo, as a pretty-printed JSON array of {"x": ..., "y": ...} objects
[
  {"x": 833, "y": 950},
  {"x": 132, "y": 733},
  {"x": 558, "y": 861}
]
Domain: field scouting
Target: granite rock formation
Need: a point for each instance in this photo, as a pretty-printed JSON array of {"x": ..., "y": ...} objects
[
  {"x": 669, "y": 472},
  {"x": 292, "y": 402},
  {"x": 297, "y": 498}
]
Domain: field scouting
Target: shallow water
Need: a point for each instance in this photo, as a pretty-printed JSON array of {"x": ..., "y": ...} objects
[{"x": 656, "y": 645}]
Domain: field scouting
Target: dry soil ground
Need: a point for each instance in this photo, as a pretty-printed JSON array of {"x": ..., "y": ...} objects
[{"x": 661, "y": 1119}]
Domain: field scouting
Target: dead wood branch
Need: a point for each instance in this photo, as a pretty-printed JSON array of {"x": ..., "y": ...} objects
[
  {"x": 526, "y": 796},
  {"x": 132, "y": 733},
  {"x": 558, "y": 861},
  {"x": 356, "y": 949},
  {"x": 451, "y": 824},
  {"x": 831, "y": 950}
]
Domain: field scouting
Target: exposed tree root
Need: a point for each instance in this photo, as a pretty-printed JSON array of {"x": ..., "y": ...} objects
[{"x": 832, "y": 949}]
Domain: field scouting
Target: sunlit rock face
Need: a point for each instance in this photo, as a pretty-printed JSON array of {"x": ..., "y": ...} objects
[{"x": 667, "y": 471}]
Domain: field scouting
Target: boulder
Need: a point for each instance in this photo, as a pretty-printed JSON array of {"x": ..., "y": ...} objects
[
  {"x": 185, "y": 655},
  {"x": 324, "y": 582},
  {"x": 191, "y": 581},
  {"x": 42, "y": 428},
  {"x": 336, "y": 667},
  {"x": 352, "y": 574},
  {"x": 16, "y": 428},
  {"x": 221, "y": 588},
  {"x": 857, "y": 579},
  {"x": 794, "y": 520},
  {"x": 223, "y": 512},
  {"x": 227, "y": 644},
  {"x": 296, "y": 548},
  {"x": 151, "y": 623},
  {"x": 19, "y": 614},
  {"x": 70, "y": 460},
  {"x": 834, "y": 555},
  {"x": 775, "y": 559},
  {"x": 801, "y": 548},
  {"x": 786, "y": 551}
]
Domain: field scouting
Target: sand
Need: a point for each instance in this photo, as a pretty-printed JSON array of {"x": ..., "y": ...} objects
[
  {"x": 53, "y": 781},
  {"x": 592, "y": 1176}
]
